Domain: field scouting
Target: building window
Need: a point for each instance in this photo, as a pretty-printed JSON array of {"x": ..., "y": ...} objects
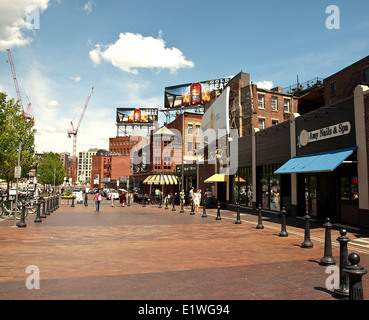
[
  {"x": 190, "y": 128},
  {"x": 261, "y": 123},
  {"x": 333, "y": 89},
  {"x": 274, "y": 103},
  {"x": 260, "y": 101},
  {"x": 197, "y": 129},
  {"x": 157, "y": 163},
  {"x": 190, "y": 148},
  {"x": 167, "y": 163},
  {"x": 286, "y": 105},
  {"x": 274, "y": 122},
  {"x": 366, "y": 75}
]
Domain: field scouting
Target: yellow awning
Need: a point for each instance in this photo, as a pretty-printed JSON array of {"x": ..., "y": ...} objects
[
  {"x": 161, "y": 179},
  {"x": 239, "y": 179},
  {"x": 216, "y": 178}
]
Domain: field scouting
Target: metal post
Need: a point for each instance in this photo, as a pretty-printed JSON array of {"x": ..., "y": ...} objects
[
  {"x": 38, "y": 218},
  {"x": 43, "y": 215},
  {"x": 218, "y": 212},
  {"x": 160, "y": 200},
  {"x": 307, "y": 243},
  {"x": 174, "y": 204},
  {"x": 86, "y": 204},
  {"x": 48, "y": 206},
  {"x": 144, "y": 201},
  {"x": 16, "y": 190},
  {"x": 22, "y": 223},
  {"x": 166, "y": 203},
  {"x": 192, "y": 212},
  {"x": 72, "y": 202},
  {"x": 355, "y": 274},
  {"x": 260, "y": 219},
  {"x": 327, "y": 260},
  {"x": 283, "y": 232},
  {"x": 128, "y": 199},
  {"x": 238, "y": 221},
  {"x": 204, "y": 211},
  {"x": 343, "y": 290},
  {"x": 181, "y": 211}
]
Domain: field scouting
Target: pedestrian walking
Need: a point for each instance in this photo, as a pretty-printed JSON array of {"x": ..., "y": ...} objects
[
  {"x": 97, "y": 201},
  {"x": 182, "y": 197},
  {"x": 122, "y": 199},
  {"x": 208, "y": 196},
  {"x": 197, "y": 199}
]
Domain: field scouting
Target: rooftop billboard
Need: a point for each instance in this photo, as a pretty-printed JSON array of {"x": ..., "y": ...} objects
[
  {"x": 193, "y": 94},
  {"x": 137, "y": 115}
]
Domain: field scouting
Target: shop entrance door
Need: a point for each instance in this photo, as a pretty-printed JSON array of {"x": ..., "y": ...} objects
[
  {"x": 310, "y": 195},
  {"x": 349, "y": 199}
]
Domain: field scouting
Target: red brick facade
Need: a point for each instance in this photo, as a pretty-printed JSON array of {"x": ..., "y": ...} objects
[{"x": 342, "y": 84}]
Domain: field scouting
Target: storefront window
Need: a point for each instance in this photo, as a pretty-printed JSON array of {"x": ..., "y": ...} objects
[
  {"x": 349, "y": 188},
  {"x": 270, "y": 188},
  {"x": 310, "y": 195},
  {"x": 243, "y": 181}
]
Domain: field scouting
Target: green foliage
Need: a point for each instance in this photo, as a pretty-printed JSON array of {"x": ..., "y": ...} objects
[
  {"x": 15, "y": 128},
  {"x": 51, "y": 167}
]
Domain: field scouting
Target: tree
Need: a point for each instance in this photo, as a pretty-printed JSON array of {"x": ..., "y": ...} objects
[
  {"x": 50, "y": 169},
  {"x": 15, "y": 128}
]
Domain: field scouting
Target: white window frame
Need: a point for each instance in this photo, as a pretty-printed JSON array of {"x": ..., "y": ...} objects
[
  {"x": 263, "y": 101},
  {"x": 274, "y": 108},
  {"x": 261, "y": 119},
  {"x": 289, "y": 105}
]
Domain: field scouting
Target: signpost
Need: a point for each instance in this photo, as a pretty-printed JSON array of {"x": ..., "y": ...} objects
[{"x": 17, "y": 175}]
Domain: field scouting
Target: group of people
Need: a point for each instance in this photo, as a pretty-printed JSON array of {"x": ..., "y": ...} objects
[
  {"x": 194, "y": 197},
  {"x": 98, "y": 198}
]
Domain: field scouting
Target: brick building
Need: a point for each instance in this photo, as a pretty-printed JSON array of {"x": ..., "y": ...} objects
[{"x": 342, "y": 84}]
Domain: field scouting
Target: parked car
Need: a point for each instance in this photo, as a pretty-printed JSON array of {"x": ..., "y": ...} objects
[
  {"x": 114, "y": 194},
  {"x": 78, "y": 194}
]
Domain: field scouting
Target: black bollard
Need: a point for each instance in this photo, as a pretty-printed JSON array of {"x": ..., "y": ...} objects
[
  {"x": 192, "y": 211},
  {"x": 181, "y": 211},
  {"x": 48, "y": 206},
  {"x": 218, "y": 212},
  {"x": 238, "y": 221},
  {"x": 355, "y": 274},
  {"x": 166, "y": 204},
  {"x": 43, "y": 215},
  {"x": 72, "y": 201},
  {"x": 128, "y": 200},
  {"x": 343, "y": 290},
  {"x": 144, "y": 202},
  {"x": 283, "y": 232},
  {"x": 160, "y": 200},
  {"x": 38, "y": 218},
  {"x": 204, "y": 211},
  {"x": 260, "y": 219},
  {"x": 86, "y": 204},
  {"x": 22, "y": 223},
  {"x": 174, "y": 205},
  {"x": 307, "y": 243},
  {"x": 327, "y": 260}
]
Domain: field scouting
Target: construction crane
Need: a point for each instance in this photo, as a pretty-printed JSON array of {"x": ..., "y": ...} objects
[
  {"x": 25, "y": 113},
  {"x": 74, "y": 132}
]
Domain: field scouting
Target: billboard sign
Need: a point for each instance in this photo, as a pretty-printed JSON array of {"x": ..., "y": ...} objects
[
  {"x": 193, "y": 94},
  {"x": 137, "y": 115}
]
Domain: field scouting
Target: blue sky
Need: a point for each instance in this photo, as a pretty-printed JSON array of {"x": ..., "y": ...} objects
[{"x": 129, "y": 51}]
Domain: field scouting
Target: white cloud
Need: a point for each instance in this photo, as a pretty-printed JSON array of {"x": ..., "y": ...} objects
[
  {"x": 133, "y": 51},
  {"x": 76, "y": 78},
  {"x": 13, "y": 21},
  {"x": 88, "y": 6},
  {"x": 264, "y": 84},
  {"x": 53, "y": 104}
]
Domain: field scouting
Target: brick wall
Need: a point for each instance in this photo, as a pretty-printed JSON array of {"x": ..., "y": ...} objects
[
  {"x": 120, "y": 167},
  {"x": 345, "y": 81}
]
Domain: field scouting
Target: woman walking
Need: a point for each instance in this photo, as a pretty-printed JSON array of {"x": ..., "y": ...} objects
[{"x": 97, "y": 200}]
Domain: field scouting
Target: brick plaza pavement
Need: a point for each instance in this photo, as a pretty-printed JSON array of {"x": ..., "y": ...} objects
[{"x": 136, "y": 253}]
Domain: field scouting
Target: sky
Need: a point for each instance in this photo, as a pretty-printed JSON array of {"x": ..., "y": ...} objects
[{"x": 129, "y": 51}]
